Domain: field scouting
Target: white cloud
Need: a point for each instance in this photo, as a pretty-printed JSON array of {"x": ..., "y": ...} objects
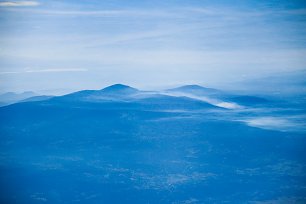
[
  {"x": 186, "y": 12},
  {"x": 56, "y": 70},
  {"x": 206, "y": 99},
  {"x": 105, "y": 13},
  {"x": 19, "y": 3},
  {"x": 269, "y": 122},
  {"x": 229, "y": 105},
  {"x": 276, "y": 123}
]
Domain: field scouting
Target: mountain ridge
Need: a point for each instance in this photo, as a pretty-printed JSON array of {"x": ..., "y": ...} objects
[{"x": 124, "y": 93}]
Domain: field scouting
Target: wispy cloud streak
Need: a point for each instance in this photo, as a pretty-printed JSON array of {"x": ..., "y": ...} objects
[
  {"x": 104, "y": 13},
  {"x": 18, "y": 3},
  {"x": 277, "y": 123},
  {"x": 44, "y": 70}
]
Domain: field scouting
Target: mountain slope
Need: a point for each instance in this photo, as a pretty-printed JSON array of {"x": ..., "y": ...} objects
[
  {"x": 37, "y": 98},
  {"x": 143, "y": 147},
  {"x": 115, "y": 92},
  {"x": 100, "y": 152}
]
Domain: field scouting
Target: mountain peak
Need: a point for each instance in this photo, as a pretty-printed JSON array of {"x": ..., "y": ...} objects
[
  {"x": 192, "y": 86},
  {"x": 195, "y": 89},
  {"x": 119, "y": 88}
]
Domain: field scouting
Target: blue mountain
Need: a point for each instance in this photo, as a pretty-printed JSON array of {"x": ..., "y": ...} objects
[
  {"x": 196, "y": 89},
  {"x": 122, "y": 96},
  {"x": 119, "y": 89},
  {"x": 116, "y": 92},
  {"x": 123, "y": 145}
]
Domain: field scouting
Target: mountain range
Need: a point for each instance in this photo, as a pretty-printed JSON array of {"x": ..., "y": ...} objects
[
  {"x": 120, "y": 144},
  {"x": 119, "y": 92}
]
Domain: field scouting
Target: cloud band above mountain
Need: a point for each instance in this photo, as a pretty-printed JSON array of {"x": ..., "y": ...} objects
[
  {"x": 44, "y": 70},
  {"x": 18, "y": 3}
]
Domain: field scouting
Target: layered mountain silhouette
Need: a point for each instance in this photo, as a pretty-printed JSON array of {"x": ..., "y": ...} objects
[
  {"x": 192, "y": 96},
  {"x": 11, "y": 97},
  {"x": 37, "y": 98},
  {"x": 123, "y": 96}
]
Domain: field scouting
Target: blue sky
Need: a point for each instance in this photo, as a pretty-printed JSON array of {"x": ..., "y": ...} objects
[{"x": 68, "y": 45}]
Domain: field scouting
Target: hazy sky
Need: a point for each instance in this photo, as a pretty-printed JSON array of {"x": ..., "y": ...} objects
[{"x": 89, "y": 44}]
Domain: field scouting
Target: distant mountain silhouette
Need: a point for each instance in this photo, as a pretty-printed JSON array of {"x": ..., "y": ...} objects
[
  {"x": 188, "y": 96},
  {"x": 196, "y": 90},
  {"x": 37, "y": 98},
  {"x": 117, "y": 92},
  {"x": 11, "y": 97},
  {"x": 119, "y": 89},
  {"x": 123, "y": 96}
]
